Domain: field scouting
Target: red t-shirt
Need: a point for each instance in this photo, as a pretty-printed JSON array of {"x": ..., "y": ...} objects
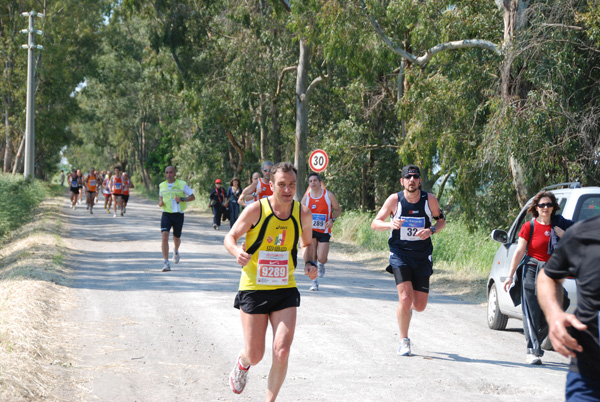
[{"x": 538, "y": 247}]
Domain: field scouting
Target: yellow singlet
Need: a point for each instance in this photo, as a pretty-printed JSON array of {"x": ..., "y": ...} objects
[{"x": 273, "y": 243}]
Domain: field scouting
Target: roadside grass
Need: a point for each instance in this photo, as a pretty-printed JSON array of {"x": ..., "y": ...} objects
[
  {"x": 462, "y": 260},
  {"x": 32, "y": 289},
  {"x": 18, "y": 197}
]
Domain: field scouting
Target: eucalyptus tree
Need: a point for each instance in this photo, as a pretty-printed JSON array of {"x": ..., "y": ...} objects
[
  {"x": 69, "y": 40},
  {"x": 129, "y": 102}
]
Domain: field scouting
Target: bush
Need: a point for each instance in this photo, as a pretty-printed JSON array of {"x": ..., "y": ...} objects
[{"x": 18, "y": 198}]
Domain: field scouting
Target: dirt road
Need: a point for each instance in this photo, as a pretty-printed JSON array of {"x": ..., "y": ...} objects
[{"x": 138, "y": 334}]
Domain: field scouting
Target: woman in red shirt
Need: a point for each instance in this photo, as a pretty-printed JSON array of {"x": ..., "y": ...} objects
[{"x": 543, "y": 208}]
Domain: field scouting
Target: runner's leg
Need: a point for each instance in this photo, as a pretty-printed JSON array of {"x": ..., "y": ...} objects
[
  {"x": 322, "y": 251},
  {"x": 254, "y": 327},
  {"x": 164, "y": 246},
  {"x": 176, "y": 243},
  {"x": 284, "y": 325},
  {"x": 405, "y": 297}
]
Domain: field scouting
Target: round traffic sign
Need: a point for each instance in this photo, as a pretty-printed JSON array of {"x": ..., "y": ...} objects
[{"x": 318, "y": 160}]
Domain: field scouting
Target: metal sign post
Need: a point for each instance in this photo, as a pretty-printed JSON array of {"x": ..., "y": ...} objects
[{"x": 30, "y": 116}]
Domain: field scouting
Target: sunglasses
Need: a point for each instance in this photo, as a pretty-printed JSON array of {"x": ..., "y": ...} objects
[
  {"x": 412, "y": 176},
  {"x": 546, "y": 205}
]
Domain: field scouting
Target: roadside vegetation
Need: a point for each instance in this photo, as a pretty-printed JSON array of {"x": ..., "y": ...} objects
[
  {"x": 462, "y": 259},
  {"x": 455, "y": 246},
  {"x": 18, "y": 198},
  {"x": 32, "y": 287}
]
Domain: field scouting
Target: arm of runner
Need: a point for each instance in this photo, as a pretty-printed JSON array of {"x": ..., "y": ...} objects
[
  {"x": 336, "y": 210},
  {"x": 251, "y": 188},
  {"x": 189, "y": 194},
  {"x": 548, "y": 290},
  {"x": 387, "y": 209},
  {"x": 306, "y": 241},
  {"x": 160, "y": 200},
  {"x": 131, "y": 184},
  {"x": 436, "y": 212},
  {"x": 249, "y": 217}
]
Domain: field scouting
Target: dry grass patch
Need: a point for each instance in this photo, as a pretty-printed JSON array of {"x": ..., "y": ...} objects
[{"x": 32, "y": 290}]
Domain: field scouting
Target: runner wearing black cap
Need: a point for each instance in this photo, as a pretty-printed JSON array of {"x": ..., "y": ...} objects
[{"x": 411, "y": 213}]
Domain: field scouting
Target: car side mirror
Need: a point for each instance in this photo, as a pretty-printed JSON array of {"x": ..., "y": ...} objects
[{"x": 499, "y": 235}]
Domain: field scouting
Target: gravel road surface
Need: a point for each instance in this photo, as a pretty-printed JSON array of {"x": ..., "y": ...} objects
[{"x": 138, "y": 334}]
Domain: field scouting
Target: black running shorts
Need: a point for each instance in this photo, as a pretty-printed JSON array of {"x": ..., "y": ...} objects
[
  {"x": 125, "y": 197},
  {"x": 321, "y": 237},
  {"x": 266, "y": 301},
  {"x": 417, "y": 270},
  {"x": 75, "y": 190},
  {"x": 172, "y": 220}
]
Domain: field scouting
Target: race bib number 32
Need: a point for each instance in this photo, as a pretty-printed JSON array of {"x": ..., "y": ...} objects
[
  {"x": 273, "y": 268},
  {"x": 410, "y": 227}
]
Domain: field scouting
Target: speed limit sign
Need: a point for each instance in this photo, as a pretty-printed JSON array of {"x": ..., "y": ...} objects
[{"x": 318, "y": 160}]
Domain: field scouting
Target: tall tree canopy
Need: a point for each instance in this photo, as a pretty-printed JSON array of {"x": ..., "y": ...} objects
[{"x": 493, "y": 99}]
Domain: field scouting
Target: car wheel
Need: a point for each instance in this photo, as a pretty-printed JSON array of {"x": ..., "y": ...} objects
[{"x": 495, "y": 318}]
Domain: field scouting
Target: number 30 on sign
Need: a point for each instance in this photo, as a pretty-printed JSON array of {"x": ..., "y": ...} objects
[{"x": 318, "y": 160}]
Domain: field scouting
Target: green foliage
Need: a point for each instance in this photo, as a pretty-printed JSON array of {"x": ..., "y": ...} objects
[
  {"x": 18, "y": 198},
  {"x": 458, "y": 247}
]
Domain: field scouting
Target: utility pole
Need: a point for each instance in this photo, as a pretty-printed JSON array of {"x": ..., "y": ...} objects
[{"x": 30, "y": 118}]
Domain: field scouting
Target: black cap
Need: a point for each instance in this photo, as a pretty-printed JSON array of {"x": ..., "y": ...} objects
[{"x": 410, "y": 169}]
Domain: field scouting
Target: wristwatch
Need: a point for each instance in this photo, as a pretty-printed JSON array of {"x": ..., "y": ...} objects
[
  {"x": 432, "y": 228},
  {"x": 332, "y": 219}
]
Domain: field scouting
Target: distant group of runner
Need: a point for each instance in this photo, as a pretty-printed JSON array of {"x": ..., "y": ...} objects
[{"x": 115, "y": 188}]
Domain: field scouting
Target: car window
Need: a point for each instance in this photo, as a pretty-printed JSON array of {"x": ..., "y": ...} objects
[
  {"x": 524, "y": 217},
  {"x": 587, "y": 207},
  {"x": 561, "y": 204}
]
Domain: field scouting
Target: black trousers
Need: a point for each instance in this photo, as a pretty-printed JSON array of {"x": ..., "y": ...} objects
[
  {"x": 535, "y": 326},
  {"x": 217, "y": 214}
]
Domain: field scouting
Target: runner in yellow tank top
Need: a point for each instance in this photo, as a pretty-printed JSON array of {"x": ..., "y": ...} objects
[
  {"x": 268, "y": 290},
  {"x": 273, "y": 243}
]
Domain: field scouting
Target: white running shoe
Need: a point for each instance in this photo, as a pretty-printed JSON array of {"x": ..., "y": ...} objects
[
  {"x": 176, "y": 257},
  {"x": 533, "y": 359},
  {"x": 404, "y": 348},
  {"x": 238, "y": 377},
  {"x": 321, "y": 269},
  {"x": 214, "y": 226},
  {"x": 315, "y": 286},
  {"x": 166, "y": 266},
  {"x": 114, "y": 215}
]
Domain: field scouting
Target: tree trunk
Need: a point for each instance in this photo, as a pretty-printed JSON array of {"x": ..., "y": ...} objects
[
  {"x": 515, "y": 18},
  {"x": 7, "y": 147},
  {"x": 301, "y": 149},
  {"x": 142, "y": 156},
  {"x": 18, "y": 165},
  {"x": 262, "y": 121},
  {"x": 401, "y": 78},
  {"x": 276, "y": 130},
  {"x": 518, "y": 181},
  {"x": 233, "y": 142}
]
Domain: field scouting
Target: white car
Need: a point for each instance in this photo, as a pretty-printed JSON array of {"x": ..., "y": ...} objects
[{"x": 576, "y": 203}]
